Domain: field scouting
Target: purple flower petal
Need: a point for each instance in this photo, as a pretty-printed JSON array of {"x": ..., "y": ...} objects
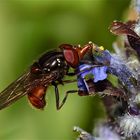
[{"x": 99, "y": 73}]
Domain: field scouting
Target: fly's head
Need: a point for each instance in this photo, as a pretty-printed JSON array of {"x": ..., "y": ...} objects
[{"x": 74, "y": 54}]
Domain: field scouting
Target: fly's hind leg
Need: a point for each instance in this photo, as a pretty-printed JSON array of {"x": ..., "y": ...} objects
[{"x": 58, "y": 103}]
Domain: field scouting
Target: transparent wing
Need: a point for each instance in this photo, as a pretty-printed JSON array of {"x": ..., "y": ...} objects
[{"x": 15, "y": 90}]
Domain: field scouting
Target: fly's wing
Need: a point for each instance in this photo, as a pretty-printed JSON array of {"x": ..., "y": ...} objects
[
  {"x": 23, "y": 85},
  {"x": 14, "y": 91}
]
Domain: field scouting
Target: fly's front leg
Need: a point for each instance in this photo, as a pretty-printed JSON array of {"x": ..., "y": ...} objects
[{"x": 58, "y": 103}]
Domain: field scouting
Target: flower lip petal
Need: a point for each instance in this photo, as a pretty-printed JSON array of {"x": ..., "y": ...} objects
[{"x": 99, "y": 73}]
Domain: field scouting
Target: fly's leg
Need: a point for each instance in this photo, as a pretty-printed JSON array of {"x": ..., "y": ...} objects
[{"x": 58, "y": 103}]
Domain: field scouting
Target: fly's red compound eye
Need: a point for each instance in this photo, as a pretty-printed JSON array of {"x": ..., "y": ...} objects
[
  {"x": 74, "y": 54},
  {"x": 70, "y": 54}
]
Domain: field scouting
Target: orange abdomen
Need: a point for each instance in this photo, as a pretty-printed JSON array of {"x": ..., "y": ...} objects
[{"x": 37, "y": 97}]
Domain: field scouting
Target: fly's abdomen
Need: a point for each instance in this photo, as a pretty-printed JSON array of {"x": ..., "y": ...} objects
[{"x": 37, "y": 97}]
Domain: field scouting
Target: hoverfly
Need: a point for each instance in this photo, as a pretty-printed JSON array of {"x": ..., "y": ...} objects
[
  {"x": 53, "y": 66},
  {"x": 49, "y": 69}
]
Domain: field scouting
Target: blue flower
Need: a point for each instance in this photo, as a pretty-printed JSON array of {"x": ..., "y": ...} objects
[
  {"x": 117, "y": 67},
  {"x": 99, "y": 73}
]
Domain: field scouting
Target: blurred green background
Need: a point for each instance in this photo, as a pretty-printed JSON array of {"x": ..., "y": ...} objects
[{"x": 30, "y": 27}]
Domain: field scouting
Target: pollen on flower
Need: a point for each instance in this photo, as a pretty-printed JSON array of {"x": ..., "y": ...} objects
[{"x": 101, "y": 48}]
